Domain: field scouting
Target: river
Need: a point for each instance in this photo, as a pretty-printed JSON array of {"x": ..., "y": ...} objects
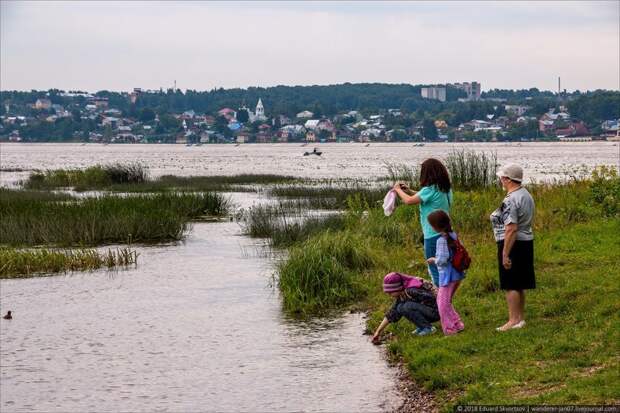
[
  {"x": 540, "y": 160},
  {"x": 196, "y": 326}
]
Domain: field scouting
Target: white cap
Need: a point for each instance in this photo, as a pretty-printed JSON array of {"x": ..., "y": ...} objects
[{"x": 512, "y": 171}]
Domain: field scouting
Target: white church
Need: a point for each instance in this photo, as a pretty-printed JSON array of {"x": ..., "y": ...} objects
[{"x": 257, "y": 115}]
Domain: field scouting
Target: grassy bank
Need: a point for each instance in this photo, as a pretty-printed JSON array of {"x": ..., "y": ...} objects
[
  {"x": 40, "y": 262},
  {"x": 29, "y": 218},
  {"x": 568, "y": 352},
  {"x": 135, "y": 178}
]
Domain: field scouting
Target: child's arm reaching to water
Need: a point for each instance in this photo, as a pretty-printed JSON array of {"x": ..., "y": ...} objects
[{"x": 379, "y": 330}]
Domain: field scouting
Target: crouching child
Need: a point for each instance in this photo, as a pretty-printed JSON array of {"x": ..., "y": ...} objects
[{"x": 415, "y": 300}]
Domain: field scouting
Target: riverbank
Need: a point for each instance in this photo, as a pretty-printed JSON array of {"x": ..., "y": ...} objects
[{"x": 568, "y": 351}]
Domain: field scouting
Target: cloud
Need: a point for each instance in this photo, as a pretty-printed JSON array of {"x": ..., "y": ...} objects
[{"x": 119, "y": 45}]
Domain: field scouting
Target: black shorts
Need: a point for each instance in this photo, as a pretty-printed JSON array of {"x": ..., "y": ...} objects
[{"x": 521, "y": 275}]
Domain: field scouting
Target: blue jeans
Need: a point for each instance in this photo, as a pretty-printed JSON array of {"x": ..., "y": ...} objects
[
  {"x": 430, "y": 249},
  {"x": 419, "y": 314}
]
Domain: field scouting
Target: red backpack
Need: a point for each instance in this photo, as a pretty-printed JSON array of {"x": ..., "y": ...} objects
[{"x": 460, "y": 257}]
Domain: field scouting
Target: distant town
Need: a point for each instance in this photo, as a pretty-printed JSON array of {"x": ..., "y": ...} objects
[{"x": 457, "y": 112}]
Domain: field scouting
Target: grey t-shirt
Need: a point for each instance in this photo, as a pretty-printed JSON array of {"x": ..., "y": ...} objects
[{"x": 517, "y": 208}]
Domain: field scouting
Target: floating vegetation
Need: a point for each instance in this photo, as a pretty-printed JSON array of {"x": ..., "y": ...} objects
[{"x": 39, "y": 262}]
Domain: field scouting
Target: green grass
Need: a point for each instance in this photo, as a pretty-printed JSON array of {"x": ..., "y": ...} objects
[
  {"x": 468, "y": 170},
  {"x": 330, "y": 196},
  {"x": 94, "y": 177},
  {"x": 14, "y": 195},
  {"x": 472, "y": 169},
  {"x": 322, "y": 274},
  {"x": 103, "y": 220},
  {"x": 568, "y": 352},
  {"x": 40, "y": 262},
  {"x": 134, "y": 178},
  {"x": 285, "y": 224}
]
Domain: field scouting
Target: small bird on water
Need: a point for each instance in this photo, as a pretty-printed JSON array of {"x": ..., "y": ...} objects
[{"x": 8, "y": 316}]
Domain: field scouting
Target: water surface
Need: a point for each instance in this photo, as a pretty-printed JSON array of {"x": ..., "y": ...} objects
[{"x": 194, "y": 327}]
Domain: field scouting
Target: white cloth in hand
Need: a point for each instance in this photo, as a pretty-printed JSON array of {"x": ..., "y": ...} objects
[{"x": 389, "y": 203}]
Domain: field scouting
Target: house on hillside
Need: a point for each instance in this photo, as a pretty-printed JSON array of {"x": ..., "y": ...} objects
[
  {"x": 573, "y": 129},
  {"x": 517, "y": 110},
  {"x": 228, "y": 113},
  {"x": 306, "y": 114},
  {"x": 43, "y": 104},
  {"x": 551, "y": 121},
  {"x": 611, "y": 125}
]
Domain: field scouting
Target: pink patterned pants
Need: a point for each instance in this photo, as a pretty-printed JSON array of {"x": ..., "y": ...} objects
[{"x": 450, "y": 320}]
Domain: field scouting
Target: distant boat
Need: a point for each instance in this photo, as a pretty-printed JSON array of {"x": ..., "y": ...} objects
[{"x": 314, "y": 152}]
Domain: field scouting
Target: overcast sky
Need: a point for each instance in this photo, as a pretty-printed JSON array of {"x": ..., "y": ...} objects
[{"x": 120, "y": 45}]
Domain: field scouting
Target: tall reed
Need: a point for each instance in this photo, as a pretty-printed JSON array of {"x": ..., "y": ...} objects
[
  {"x": 322, "y": 272},
  {"x": 37, "y": 262},
  {"x": 472, "y": 170},
  {"x": 284, "y": 226},
  {"x": 94, "y": 177},
  {"x": 403, "y": 172},
  {"x": 105, "y": 219},
  {"x": 134, "y": 178},
  {"x": 330, "y": 197}
]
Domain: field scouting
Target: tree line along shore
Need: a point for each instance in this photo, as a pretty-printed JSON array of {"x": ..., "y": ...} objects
[{"x": 336, "y": 113}]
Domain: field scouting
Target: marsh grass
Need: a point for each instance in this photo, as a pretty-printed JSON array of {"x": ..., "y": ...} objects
[
  {"x": 471, "y": 169},
  {"x": 94, "y": 177},
  {"x": 285, "y": 224},
  {"x": 468, "y": 170},
  {"x": 40, "y": 262},
  {"x": 15, "y": 195},
  {"x": 321, "y": 274},
  {"x": 103, "y": 220},
  {"x": 402, "y": 172},
  {"x": 135, "y": 178},
  {"x": 332, "y": 196}
]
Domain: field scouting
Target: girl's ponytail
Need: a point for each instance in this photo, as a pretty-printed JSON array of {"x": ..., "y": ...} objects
[{"x": 440, "y": 220}]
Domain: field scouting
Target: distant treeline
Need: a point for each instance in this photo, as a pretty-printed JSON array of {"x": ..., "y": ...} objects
[{"x": 329, "y": 100}]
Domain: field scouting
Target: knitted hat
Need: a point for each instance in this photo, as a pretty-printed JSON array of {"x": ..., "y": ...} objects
[{"x": 395, "y": 282}]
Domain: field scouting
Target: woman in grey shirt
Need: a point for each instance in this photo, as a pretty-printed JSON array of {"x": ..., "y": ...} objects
[{"x": 512, "y": 227}]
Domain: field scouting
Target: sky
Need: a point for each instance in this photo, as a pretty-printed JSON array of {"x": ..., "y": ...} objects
[{"x": 202, "y": 45}]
